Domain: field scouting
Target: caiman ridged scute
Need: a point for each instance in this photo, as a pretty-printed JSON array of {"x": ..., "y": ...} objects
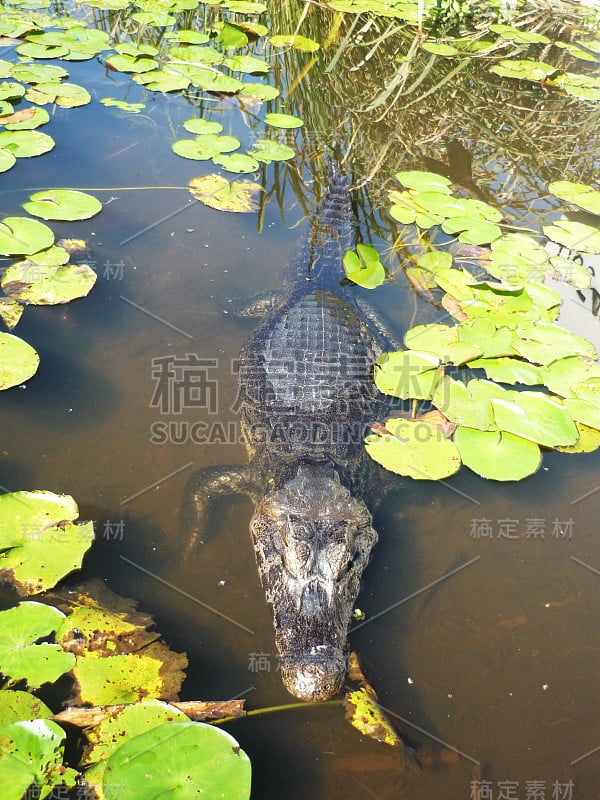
[{"x": 306, "y": 394}]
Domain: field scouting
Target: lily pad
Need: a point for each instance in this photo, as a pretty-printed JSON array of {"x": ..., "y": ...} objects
[
  {"x": 535, "y": 416},
  {"x": 217, "y": 192},
  {"x": 523, "y": 69},
  {"x": 283, "y": 121},
  {"x": 407, "y": 374},
  {"x": 27, "y": 119},
  {"x": 47, "y": 285},
  {"x": 110, "y": 680},
  {"x": 267, "y": 150},
  {"x": 205, "y": 146},
  {"x": 574, "y": 235},
  {"x": 509, "y": 370},
  {"x": 41, "y": 543},
  {"x": 579, "y": 194},
  {"x": 413, "y": 448},
  {"x": 467, "y": 404},
  {"x": 238, "y": 162},
  {"x": 248, "y": 64},
  {"x": 424, "y": 181},
  {"x": 18, "y": 361},
  {"x": 367, "y": 717},
  {"x": 569, "y": 271},
  {"x": 7, "y": 160},
  {"x": 62, "y": 204},
  {"x": 10, "y": 312},
  {"x": 497, "y": 455},
  {"x": 200, "y": 126},
  {"x": 21, "y": 658},
  {"x": 294, "y": 40},
  {"x": 564, "y": 375},
  {"x": 16, "y": 706},
  {"x": 31, "y": 757},
  {"x": 132, "y": 108},
  {"x": 190, "y": 760},
  {"x": 364, "y": 268},
  {"x": 25, "y": 144}
]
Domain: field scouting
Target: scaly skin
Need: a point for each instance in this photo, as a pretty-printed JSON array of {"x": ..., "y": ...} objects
[{"x": 306, "y": 394}]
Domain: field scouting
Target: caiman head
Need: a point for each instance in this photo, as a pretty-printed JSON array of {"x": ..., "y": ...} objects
[{"x": 312, "y": 541}]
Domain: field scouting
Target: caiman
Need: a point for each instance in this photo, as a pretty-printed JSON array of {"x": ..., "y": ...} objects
[{"x": 306, "y": 394}]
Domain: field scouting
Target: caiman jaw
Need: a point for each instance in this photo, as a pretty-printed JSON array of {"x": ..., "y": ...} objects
[{"x": 312, "y": 541}]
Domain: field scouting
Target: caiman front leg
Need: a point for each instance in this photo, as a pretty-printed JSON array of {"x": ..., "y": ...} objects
[{"x": 208, "y": 483}]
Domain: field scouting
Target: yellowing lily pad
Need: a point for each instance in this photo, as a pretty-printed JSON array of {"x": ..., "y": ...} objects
[
  {"x": 407, "y": 374},
  {"x": 42, "y": 284},
  {"x": 295, "y": 41},
  {"x": 571, "y": 234},
  {"x": 366, "y": 716},
  {"x": 18, "y": 361},
  {"x": 10, "y": 312},
  {"x": 217, "y": 192},
  {"x": 577, "y": 193},
  {"x": 62, "y": 204}
]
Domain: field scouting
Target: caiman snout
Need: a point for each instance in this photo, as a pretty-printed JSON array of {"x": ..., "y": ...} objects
[
  {"x": 314, "y": 677},
  {"x": 312, "y": 541}
]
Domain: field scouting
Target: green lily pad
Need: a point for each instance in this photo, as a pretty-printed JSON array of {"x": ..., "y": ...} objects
[
  {"x": 238, "y": 162},
  {"x": 187, "y": 36},
  {"x": 523, "y": 69},
  {"x": 571, "y": 371},
  {"x": 38, "y": 73},
  {"x": 230, "y": 36},
  {"x": 424, "y": 181},
  {"x": 211, "y": 81},
  {"x": 407, "y": 374},
  {"x": 440, "y": 49},
  {"x": 39, "y": 540},
  {"x": 248, "y": 64},
  {"x": 497, "y": 455},
  {"x": 435, "y": 260},
  {"x": 62, "y": 204},
  {"x": 205, "y": 146},
  {"x": 127, "y": 63},
  {"x": 16, "y": 706},
  {"x": 163, "y": 80},
  {"x": 535, "y": 416},
  {"x": 25, "y": 144},
  {"x": 7, "y": 160},
  {"x": 467, "y": 404},
  {"x": 200, "y": 126},
  {"x": 544, "y": 342},
  {"x": 65, "y": 95},
  {"x": 283, "y": 121},
  {"x": 569, "y": 271},
  {"x": 267, "y": 150},
  {"x": 34, "y": 117},
  {"x": 189, "y": 760},
  {"x": 583, "y": 411},
  {"x": 20, "y": 657},
  {"x": 262, "y": 91},
  {"x": 47, "y": 285},
  {"x": 18, "y": 361},
  {"x": 509, "y": 370},
  {"x": 493, "y": 341},
  {"x": 413, "y": 448},
  {"x": 31, "y": 758},
  {"x": 294, "y": 40},
  {"x": 579, "y": 194},
  {"x": 194, "y": 54},
  {"x": 574, "y": 235},
  {"x": 217, "y": 192},
  {"x": 132, "y": 108},
  {"x": 433, "y": 337},
  {"x": 518, "y": 35},
  {"x": 158, "y": 20},
  {"x": 9, "y": 90},
  {"x": 364, "y": 268},
  {"x": 245, "y": 7}
]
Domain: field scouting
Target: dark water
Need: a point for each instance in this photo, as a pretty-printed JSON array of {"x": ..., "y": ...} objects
[{"x": 488, "y": 594}]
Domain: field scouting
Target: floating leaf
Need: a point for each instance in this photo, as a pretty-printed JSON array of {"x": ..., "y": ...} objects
[
  {"x": 127, "y": 63},
  {"x": 217, "y": 192},
  {"x": 187, "y": 36},
  {"x": 260, "y": 90},
  {"x": 467, "y": 404},
  {"x": 65, "y": 95},
  {"x": 295, "y": 41},
  {"x": 267, "y": 150},
  {"x": 509, "y": 370},
  {"x": 579, "y": 194},
  {"x": 571, "y": 234},
  {"x": 570, "y": 272},
  {"x": 20, "y": 657},
  {"x": 424, "y": 181},
  {"x": 27, "y": 119},
  {"x": 366, "y": 716},
  {"x": 151, "y": 764},
  {"x": 133, "y": 108},
  {"x": 493, "y": 341},
  {"x": 563, "y": 373},
  {"x": 497, "y": 455},
  {"x": 247, "y": 64},
  {"x": 25, "y": 144},
  {"x": 407, "y": 374},
  {"x": 535, "y": 416},
  {"x": 364, "y": 269},
  {"x": 200, "y": 126},
  {"x": 544, "y": 342},
  {"x": 10, "y": 312},
  {"x": 435, "y": 260},
  {"x": 433, "y": 338},
  {"x": 7, "y": 160},
  {"x": 283, "y": 121},
  {"x": 9, "y": 90},
  {"x": 16, "y": 706},
  {"x": 38, "y": 73},
  {"x": 518, "y": 35},
  {"x": 440, "y": 49},
  {"x": 524, "y": 70},
  {"x": 414, "y": 448},
  {"x": 193, "y": 54},
  {"x": 62, "y": 204},
  {"x": 18, "y": 361},
  {"x": 205, "y": 146},
  {"x": 238, "y": 162},
  {"x": 31, "y": 758},
  {"x": 43, "y": 285},
  {"x": 589, "y": 440},
  {"x": 583, "y": 411}
]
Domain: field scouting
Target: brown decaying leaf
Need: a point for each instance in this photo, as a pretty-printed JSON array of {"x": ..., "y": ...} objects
[
  {"x": 453, "y": 307},
  {"x": 18, "y": 116},
  {"x": 195, "y": 709}
]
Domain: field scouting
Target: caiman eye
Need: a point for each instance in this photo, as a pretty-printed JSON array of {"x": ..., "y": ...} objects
[{"x": 299, "y": 528}]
